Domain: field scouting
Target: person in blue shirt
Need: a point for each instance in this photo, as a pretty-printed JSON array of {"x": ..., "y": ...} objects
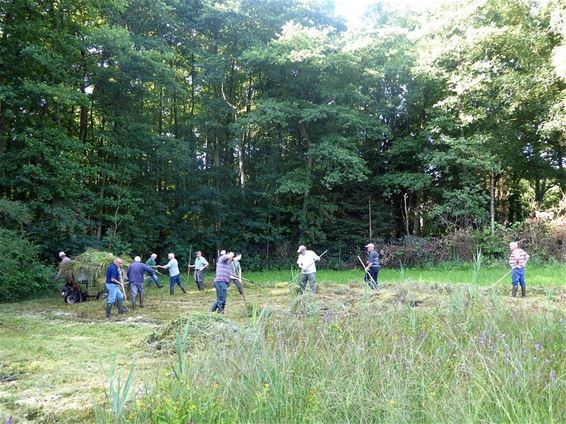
[
  {"x": 113, "y": 284},
  {"x": 135, "y": 277}
]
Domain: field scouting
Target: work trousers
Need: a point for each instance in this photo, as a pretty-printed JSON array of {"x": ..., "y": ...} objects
[
  {"x": 374, "y": 272},
  {"x": 518, "y": 277},
  {"x": 312, "y": 282},
  {"x": 199, "y": 279},
  {"x": 136, "y": 287},
  {"x": 221, "y": 294},
  {"x": 114, "y": 293}
]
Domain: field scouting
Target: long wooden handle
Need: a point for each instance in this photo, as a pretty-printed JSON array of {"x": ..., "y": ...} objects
[
  {"x": 367, "y": 272},
  {"x": 498, "y": 281}
]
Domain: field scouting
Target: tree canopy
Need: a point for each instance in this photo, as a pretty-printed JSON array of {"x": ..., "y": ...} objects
[{"x": 143, "y": 126}]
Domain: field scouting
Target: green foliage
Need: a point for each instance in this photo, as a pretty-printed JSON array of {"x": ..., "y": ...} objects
[
  {"x": 23, "y": 275},
  {"x": 137, "y": 126}
]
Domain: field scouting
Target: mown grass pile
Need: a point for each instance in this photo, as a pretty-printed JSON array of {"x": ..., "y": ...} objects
[
  {"x": 471, "y": 358},
  {"x": 91, "y": 265}
]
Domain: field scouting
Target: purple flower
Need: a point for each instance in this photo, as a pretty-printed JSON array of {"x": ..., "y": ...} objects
[
  {"x": 482, "y": 339},
  {"x": 538, "y": 347},
  {"x": 552, "y": 375}
]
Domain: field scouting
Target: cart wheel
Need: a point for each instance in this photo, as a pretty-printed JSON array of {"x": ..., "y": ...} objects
[
  {"x": 71, "y": 298},
  {"x": 102, "y": 295}
]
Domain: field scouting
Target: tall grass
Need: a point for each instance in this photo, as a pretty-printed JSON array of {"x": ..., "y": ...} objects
[
  {"x": 116, "y": 396},
  {"x": 473, "y": 360},
  {"x": 482, "y": 275}
]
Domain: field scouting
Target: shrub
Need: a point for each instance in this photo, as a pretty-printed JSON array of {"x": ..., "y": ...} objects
[{"x": 23, "y": 276}]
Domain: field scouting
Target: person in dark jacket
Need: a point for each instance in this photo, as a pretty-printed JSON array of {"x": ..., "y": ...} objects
[
  {"x": 135, "y": 277},
  {"x": 372, "y": 266}
]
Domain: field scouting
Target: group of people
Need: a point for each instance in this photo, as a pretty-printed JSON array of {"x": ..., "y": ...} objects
[{"x": 228, "y": 270}]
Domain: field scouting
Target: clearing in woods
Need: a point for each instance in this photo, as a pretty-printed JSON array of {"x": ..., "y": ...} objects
[{"x": 56, "y": 359}]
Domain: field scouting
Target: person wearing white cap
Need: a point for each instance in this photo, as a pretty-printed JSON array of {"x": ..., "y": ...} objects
[
  {"x": 64, "y": 258},
  {"x": 372, "y": 266},
  {"x": 306, "y": 262}
]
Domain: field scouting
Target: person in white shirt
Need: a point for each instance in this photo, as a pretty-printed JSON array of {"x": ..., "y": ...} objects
[
  {"x": 174, "y": 273},
  {"x": 306, "y": 262}
]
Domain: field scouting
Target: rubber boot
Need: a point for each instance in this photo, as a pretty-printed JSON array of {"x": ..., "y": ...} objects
[
  {"x": 121, "y": 309},
  {"x": 171, "y": 291},
  {"x": 133, "y": 302},
  {"x": 214, "y": 307},
  {"x": 108, "y": 310},
  {"x": 141, "y": 300},
  {"x": 523, "y": 291},
  {"x": 182, "y": 288},
  {"x": 514, "y": 291},
  {"x": 158, "y": 285}
]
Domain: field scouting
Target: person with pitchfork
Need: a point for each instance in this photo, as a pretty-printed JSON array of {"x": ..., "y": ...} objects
[
  {"x": 200, "y": 265},
  {"x": 135, "y": 275},
  {"x": 236, "y": 276},
  {"x": 517, "y": 261},
  {"x": 221, "y": 281},
  {"x": 174, "y": 273},
  {"x": 306, "y": 262},
  {"x": 372, "y": 266},
  {"x": 153, "y": 265},
  {"x": 114, "y": 286}
]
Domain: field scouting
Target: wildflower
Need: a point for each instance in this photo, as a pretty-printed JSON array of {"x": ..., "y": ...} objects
[
  {"x": 482, "y": 339},
  {"x": 552, "y": 375},
  {"x": 392, "y": 402},
  {"x": 523, "y": 351},
  {"x": 538, "y": 347}
]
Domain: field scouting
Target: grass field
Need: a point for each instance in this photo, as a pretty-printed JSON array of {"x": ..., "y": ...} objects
[{"x": 421, "y": 349}]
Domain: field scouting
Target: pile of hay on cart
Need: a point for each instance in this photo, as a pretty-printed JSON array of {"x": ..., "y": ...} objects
[{"x": 91, "y": 267}]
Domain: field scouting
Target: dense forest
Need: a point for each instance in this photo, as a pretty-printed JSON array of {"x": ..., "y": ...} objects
[{"x": 157, "y": 125}]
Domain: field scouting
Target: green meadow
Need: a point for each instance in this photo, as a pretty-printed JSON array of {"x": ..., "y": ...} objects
[{"x": 429, "y": 346}]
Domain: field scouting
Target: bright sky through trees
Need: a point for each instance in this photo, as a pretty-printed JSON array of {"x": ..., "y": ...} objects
[{"x": 353, "y": 10}]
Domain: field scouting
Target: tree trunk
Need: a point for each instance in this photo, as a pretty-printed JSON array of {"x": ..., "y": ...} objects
[
  {"x": 303, "y": 222},
  {"x": 417, "y": 216},
  {"x": 492, "y": 182}
]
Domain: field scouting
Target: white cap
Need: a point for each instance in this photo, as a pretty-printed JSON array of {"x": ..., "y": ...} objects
[
  {"x": 62, "y": 254},
  {"x": 137, "y": 259},
  {"x": 370, "y": 245},
  {"x": 301, "y": 248}
]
